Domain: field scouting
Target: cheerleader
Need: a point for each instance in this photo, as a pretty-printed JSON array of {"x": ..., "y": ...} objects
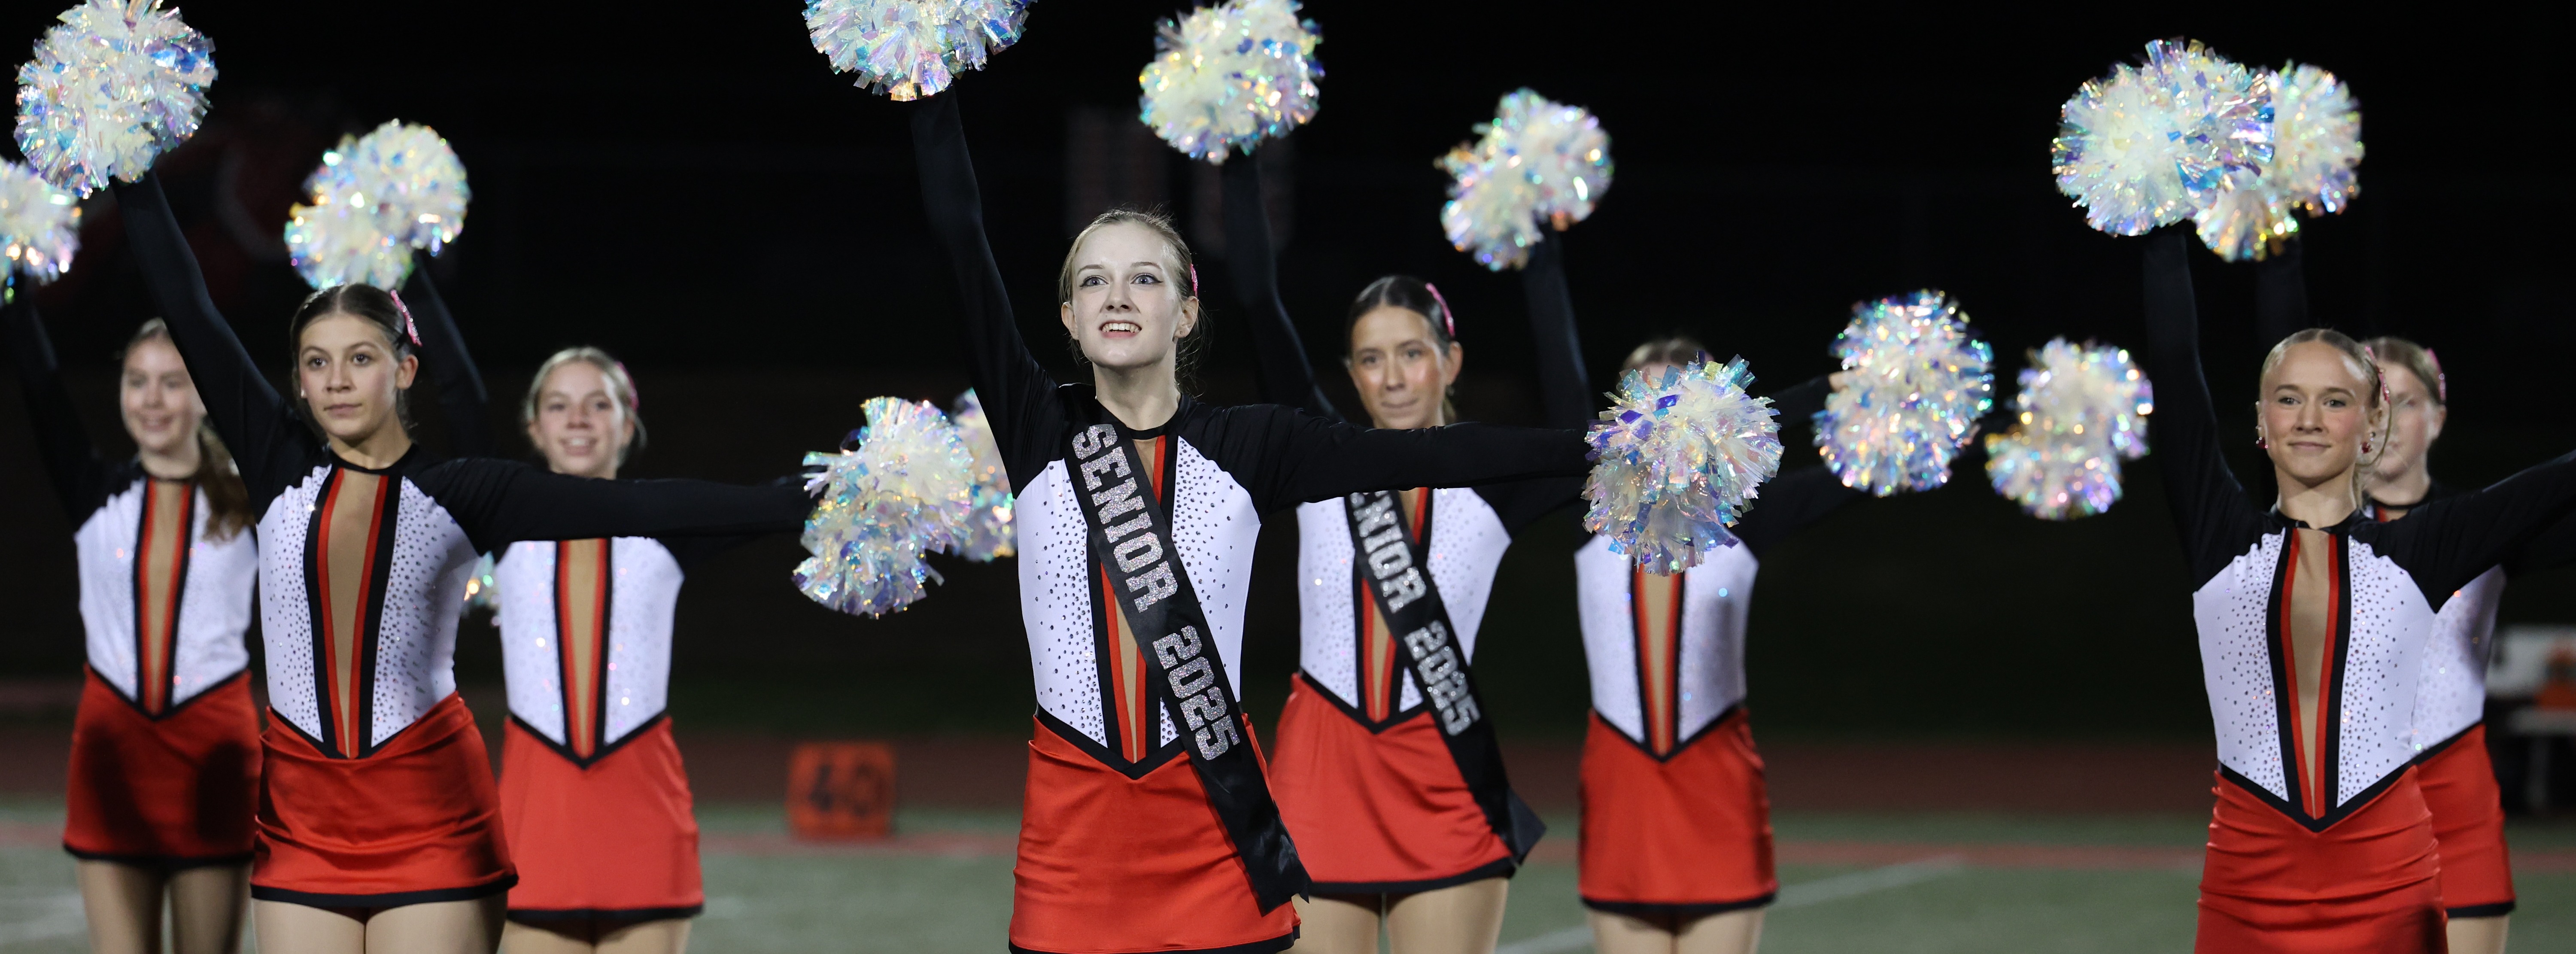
[
  {"x": 1676, "y": 849},
  {"x": 1148, "y": 824},
  {"x": 165, "y": 749},
  {"x": 1403, "y": 823},
  {"x": 594, "y": 799},
  {"x": 377, "y": 821},
  {"x": 2313, "y": 622}
]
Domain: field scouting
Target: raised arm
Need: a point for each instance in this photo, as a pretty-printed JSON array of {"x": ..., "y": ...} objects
[
  {"x": 264, "y": 438},
  {"x": 1018, "y": 395},
  {"x": 2209, "y": 506},
  {"x": 1279, "y": 354},
  {"x": 460, "y": 384},
  {"x": 500, "y": 502},
  {"x": 1806, "y": 490},
  {"x": 2280, "y": 295},
  {"x": 79, "y": 477},
  {"x": 1564, "y": 391}
]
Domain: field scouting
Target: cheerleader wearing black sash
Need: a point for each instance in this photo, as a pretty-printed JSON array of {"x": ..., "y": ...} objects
[
  {"x": 378, "y": 824},
  {"x": 165, "y": 750},
  {"x": 1149, "y": 825}
]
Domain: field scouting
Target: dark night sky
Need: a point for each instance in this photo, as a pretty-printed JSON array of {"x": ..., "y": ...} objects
[{"x": 690, "y": 187}]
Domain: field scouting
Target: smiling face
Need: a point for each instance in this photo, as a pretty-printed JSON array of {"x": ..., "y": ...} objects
[
  {"x": 158, "y": 402},
  {"x": 2316, "y": 412},
  {"x": 2415, "y": 421},
  {"x": 1127, "y": 309},
  {"x": 580, "y": 426},
  {"x": 347, "y": 372},
  {"x": 1400, "y": 368}
]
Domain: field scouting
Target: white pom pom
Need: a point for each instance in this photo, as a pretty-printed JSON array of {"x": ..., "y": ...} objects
[
  {"x": 39, "y": 224},
  {"x": 2316, "y": 150},
  {"x": 2152, "y": 144},
  {"x": 988, "y": 533},
  {"x": 374, "y": 199},
  {"x": 908, "y": 49},
  {"x": 1537, "y": 161},
  {"x": 902, "y": 492},
  {"x": 2082, "y": 411},
  {"x": 1914, "y": 386},
  {"x": 112, "y": 87},
  {"x": 1225, "y": 77},
  {"x": 1676, "y": 460}
]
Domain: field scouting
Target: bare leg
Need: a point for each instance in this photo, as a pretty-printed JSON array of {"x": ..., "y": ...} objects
[
  {"x": 1337, "y": 924},
  {"x": 1459, "y": 919},
  {"x": 1621, "y": 934},
  {"x": 296, "y": 929},
  {"x": 1734, "y": 932},
  {"x": 667, "y": 936},
  {"x": 443, "y": 927},
  {"x": 2478, "y": 935},
  {"x": 566, "y": 937},
  {"x": 206, "y": 908},
  {"x": 124, "y": 906}
]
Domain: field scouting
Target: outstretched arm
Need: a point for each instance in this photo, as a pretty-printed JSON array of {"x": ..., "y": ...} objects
[
  {"x": 1018, "y": 395},
  {"x": 1279, "y": 355},
  {"x": 1307, "y": 458},
  {"x": 500, "y": 502},
  {"x": 265, "y": 440},
  {"x": 2280, "y": 295},
  {"x": 1801, "y": 494},
  {"x": 2209, "y": 506},
  {"x": 1564, "y": 391},
  {"x": 79, "y": 477},
  {"x": 460, "y": 383}
]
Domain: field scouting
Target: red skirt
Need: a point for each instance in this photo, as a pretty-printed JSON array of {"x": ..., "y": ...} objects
[
  {"x": 172, "y": 792},
  {"x": 1684, "y": 837},
  {"x": 416, "y": 822},
  {"x": 1378, "y": 812},
  {"x": 2459, "y": 785},
  {"x": 1114, "y": 865},
  {"x": 2369, "y": 882},
  {"x": 617, "y": 840}
]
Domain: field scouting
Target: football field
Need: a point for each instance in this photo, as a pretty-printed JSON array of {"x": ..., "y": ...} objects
[{"x": 1911, "y": 883}]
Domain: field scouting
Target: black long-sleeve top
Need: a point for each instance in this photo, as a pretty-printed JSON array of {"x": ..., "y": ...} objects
[
  {"x": 461, "y": 395},
  {"x": 412, "y": 528},
  {"x": 2390, "y": 582}
]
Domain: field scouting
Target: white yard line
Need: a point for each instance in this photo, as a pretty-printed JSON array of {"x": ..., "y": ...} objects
[{"x": 1800, "y": 895}]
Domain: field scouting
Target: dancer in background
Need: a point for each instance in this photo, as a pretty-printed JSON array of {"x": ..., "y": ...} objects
[
  {"x": 2314, "y": 619},
  {"x": 377, "y": 814},
  {"x": 1404, "y": 826},
  {"x": 594, "y": 798},
  {"x": 165, "y": 749},
  {"x": 1149, "y": 825}
]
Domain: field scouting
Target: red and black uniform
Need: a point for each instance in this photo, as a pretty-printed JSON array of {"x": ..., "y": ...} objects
[
  {"x": 376, "y": 789},
  {"x": 2321, "y": 838},
  {"x": 1676, "y": 814},
  {"x": 165, "y": 750},
  {"x": 1149, "y": 824},
  {"x": 1382, "y": 796}
]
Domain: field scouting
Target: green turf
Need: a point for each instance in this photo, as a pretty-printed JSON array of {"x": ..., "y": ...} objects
[{"x": 933, "y": 905}]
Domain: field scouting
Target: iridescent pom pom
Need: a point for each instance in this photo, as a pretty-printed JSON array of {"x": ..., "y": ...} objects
[
  {"x": 988, "y": 535},
  {"x": 2316, "y": 148},
  {"x": 2152, "y": 144},
  {"x": 1676, "y": 460},
  {"x": 113, "y": 86},
  {"x": 908, "y": 49},
  {"x": 39, "y": 224},
  {"x": 1537, "y": 161},
  {"x": 1225, "y": 77},
  {"x": 902, "y": 492},
  {"x": 374, "y": 199},
  {"x": 1914, "y": 386},
  {"x": 2082, "y": 411}
]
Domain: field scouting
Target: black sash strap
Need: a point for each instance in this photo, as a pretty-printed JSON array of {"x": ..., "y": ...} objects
[
  {"x": 1396, "y": 569},
  {"x": 1130, "y": 539}
]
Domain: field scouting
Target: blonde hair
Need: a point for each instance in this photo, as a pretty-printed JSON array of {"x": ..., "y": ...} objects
[
  {"x": 216, "y": 474},
  {"x": 621, "y": 389},
  {"x": 1185, "y": 352},
  {"x": 2374, "y": 397},
  {"x": 2416, "y": 359},
  {"x": 1669, "y": 349}
]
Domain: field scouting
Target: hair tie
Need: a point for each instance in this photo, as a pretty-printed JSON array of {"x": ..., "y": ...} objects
[
  {"x": 634, "y": 401},
  {"x": 1194, "y": 279},
  {"x": 410, "y": 330},
  {"x": 2441, "y": 378},
  {"x": 1446, "y": 319},
  {"x": 2379, "y": 376}
]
